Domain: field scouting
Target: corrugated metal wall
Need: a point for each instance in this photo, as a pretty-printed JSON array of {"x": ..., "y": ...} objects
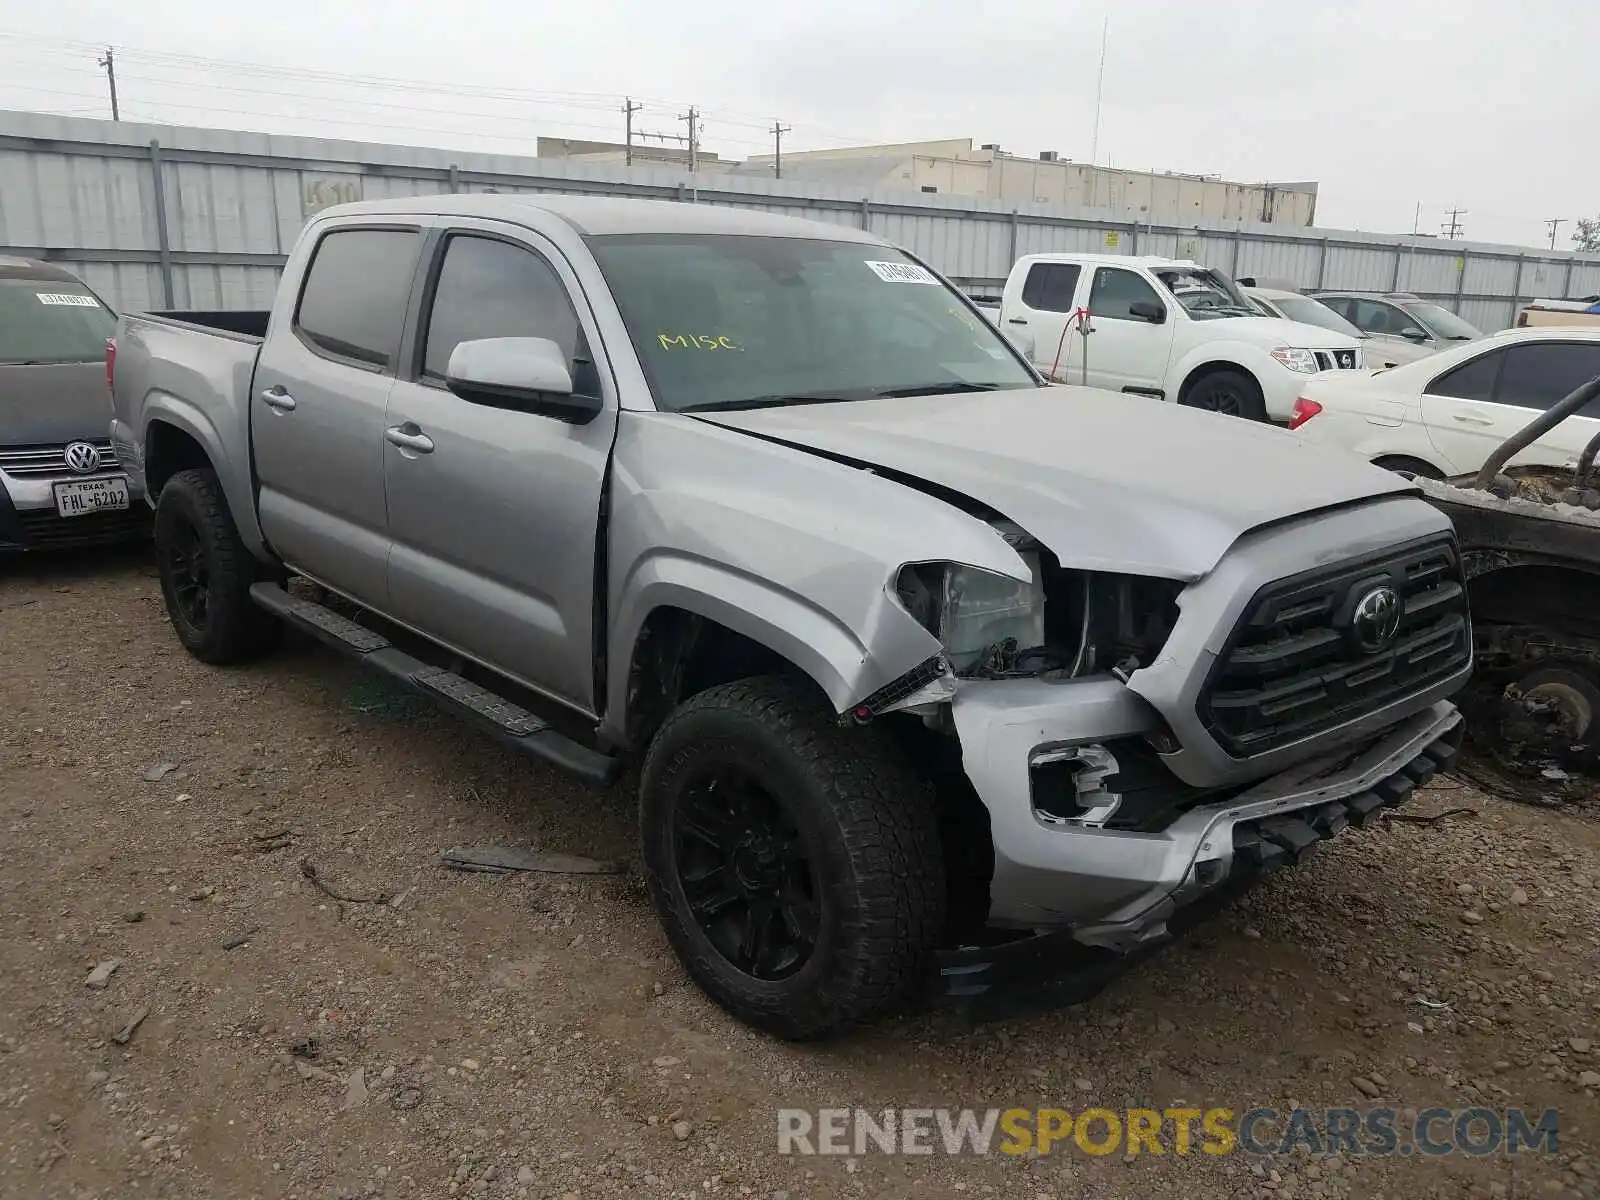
[{"x": 161, "y": 216}]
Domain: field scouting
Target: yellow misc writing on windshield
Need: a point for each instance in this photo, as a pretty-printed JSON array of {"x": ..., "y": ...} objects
[
  {"x": 1132, "y": 1131},
  {"x": 695, "y": 341}
]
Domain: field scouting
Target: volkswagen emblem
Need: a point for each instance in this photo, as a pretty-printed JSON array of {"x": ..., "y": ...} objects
[
  {"x": 82, "y": 458},
  {"x": 1376, "y": 619}
]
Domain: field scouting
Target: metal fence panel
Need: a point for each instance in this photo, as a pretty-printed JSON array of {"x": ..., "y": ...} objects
[{"x": 212, "y": 228}]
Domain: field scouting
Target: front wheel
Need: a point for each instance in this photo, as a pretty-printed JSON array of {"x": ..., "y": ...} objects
[
  {"x": 795, "y": 864},
  {"x": 1232, "y": 393},
  {"x": 206, "y": 573}
]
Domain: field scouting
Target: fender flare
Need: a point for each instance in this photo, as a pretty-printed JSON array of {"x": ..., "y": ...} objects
[
  {"x": 828, "y": 651},
  {"x": 188, "y": 418}
]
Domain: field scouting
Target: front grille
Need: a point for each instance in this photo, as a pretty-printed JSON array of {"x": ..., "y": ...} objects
[
  {"x": 48, "y": 460},
  {"x": 43, "y": 530},
  {"x": 1335, "y": 360},
  {"x": 1294, "y": 666}
]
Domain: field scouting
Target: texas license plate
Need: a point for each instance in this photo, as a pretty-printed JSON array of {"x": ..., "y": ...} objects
[{"x": 84, "y": 496}]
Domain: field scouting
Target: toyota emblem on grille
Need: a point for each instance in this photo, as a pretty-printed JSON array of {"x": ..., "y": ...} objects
[
  {"x": 82, "y": 458},
  {"x": 1376, "y": 619}
]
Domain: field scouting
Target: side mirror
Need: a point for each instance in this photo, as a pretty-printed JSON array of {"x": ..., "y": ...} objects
[
  {"x": 527, "y": 374},
  {"x": 1413, "y": 334},
  {"x": 1148, "y": 310}
]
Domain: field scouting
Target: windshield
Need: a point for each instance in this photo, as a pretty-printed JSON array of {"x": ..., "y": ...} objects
[
  {"x": 51, "y": 321},
  {"x": 1206, "y": 294},
  {"x": 722, "y": 321},
  {"x": 1442, "y": 321},
  {"x": 1314, "y": 312}
]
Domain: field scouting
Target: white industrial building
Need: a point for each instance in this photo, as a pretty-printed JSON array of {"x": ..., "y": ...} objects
[{"x": 956, "y": 168}]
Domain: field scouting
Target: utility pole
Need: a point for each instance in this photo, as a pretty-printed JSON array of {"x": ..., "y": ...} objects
[
  {"x": 109, "y": 62},
  {"x": 1555, "y": 223},
  {"x": 628, "y": 109},
  {"x": 693, "y": 117},
  {"x": 778, "y": 131},
  {"x": 1452, "y": 227}
]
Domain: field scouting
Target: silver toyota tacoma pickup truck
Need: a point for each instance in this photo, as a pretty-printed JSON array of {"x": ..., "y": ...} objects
[{"x": 935, "y": 675}]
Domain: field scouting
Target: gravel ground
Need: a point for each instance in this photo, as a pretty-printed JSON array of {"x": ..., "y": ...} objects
[{"x": 531, "y": 1036}]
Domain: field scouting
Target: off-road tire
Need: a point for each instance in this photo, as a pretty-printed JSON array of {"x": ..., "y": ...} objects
[
  {"x": 234, "y": 629},
  {"x": 1232, "y": 393},
  {"x": 868, "y": 825}
]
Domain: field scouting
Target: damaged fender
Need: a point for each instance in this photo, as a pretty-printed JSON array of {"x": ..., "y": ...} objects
[{"x": 795, "y": 551}]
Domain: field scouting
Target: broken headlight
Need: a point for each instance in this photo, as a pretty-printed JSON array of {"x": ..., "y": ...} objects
[{"x": 972, "y": 611}]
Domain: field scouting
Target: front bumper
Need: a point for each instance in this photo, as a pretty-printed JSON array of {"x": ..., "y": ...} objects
[
  {"x": 1114, "y": 887},
  {"x": 1100, "y": 900},
  {"x": 28, "y": 519}
]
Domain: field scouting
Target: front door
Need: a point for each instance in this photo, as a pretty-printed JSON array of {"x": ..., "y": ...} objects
[
  {"x": 317, "y": 409},
  {"x": 493, "y": 512},
  {"x": 1471, "y": 409},
  {"x": 1126, "y": 352}
]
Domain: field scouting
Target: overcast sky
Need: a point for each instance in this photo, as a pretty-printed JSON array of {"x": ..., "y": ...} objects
[{"x": 1482, "y": 104}]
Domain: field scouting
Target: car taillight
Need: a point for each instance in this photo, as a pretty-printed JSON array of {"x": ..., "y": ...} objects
[
  {"x": 1304, "y": 409},
  {"x": 111, "y": 364}
]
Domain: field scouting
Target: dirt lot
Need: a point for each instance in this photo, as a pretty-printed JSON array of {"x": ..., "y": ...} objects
[{"x": 532, "y": 1036}]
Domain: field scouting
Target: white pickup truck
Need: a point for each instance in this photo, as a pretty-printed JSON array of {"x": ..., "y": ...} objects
[{"x": 1165, "y": 328}]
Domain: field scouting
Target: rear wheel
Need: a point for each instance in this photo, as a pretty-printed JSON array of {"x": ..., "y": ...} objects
[
  {"x": 795, "y": 864},
  {"x": 1232, "y": 393},
  {"x": 206, "y": 573}
]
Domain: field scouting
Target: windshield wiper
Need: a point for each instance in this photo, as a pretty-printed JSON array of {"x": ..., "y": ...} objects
[
  {"x": 768, "y": 402},
  {"x": 950, "y": 387}
]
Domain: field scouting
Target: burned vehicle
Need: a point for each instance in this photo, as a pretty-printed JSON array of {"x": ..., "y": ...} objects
[{"x": 1530, "y": 548}]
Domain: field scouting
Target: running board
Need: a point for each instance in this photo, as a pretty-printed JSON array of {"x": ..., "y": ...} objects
[{"x": 476, "y": 705}]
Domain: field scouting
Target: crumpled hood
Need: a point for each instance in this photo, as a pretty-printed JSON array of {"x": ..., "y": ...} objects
[{"x": 1109, "y": 482}]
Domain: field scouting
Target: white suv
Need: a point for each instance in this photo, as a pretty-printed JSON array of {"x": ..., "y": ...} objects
[{"x": 1165, "y": 328}]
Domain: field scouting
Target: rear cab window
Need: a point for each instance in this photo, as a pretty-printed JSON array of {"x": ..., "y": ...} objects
[
  {"x": 45, "y": 321},
  {"x": 353, "y": 302},
  {"x": 1051, "y": 287}
]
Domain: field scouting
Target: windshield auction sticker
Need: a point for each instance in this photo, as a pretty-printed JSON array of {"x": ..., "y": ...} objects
[
  {"x": 898, "y": 272},
  {"x": 71, "y": 299}
]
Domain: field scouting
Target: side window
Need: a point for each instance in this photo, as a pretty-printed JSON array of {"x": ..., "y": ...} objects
[
  {"x": 1115, "y": 291},
  {"x": 1050, "y": 287},
  {"x": 1342, "y": 305},
  {"x": 354, "y": 299},
  {"x": 1472, "y": 380},
  {"x": 1538, "y": 374},
  {"x": 490, "y": 289},
  {"x": 1372, "y": 316}
]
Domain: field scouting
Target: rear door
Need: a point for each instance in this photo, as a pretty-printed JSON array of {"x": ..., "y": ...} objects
[
  {"x": 1470, "y": 409},
  {"x": 494, "y": 519},
  {"x": 1126, "y": 352},
  {"x": 317, "y": 409},
  {"x": 1037, "y": 322}
]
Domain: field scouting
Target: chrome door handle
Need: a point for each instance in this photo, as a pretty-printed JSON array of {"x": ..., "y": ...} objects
[
  {"x": 1469, "y": 419},
  {"x": 276, "y": 397},
  {"x": 397, "y": 435}
]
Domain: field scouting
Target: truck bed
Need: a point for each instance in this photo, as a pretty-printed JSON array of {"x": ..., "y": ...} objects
[
  {"x": 207, "y": 359},
  {"x": 247, "y": 323}
]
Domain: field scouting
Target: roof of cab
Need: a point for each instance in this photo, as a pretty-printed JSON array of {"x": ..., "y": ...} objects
[
  {"x": 601, "y": 215},
  {"x": 32, "y": 268}
]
